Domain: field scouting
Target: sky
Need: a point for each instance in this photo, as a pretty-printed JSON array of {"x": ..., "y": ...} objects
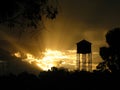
[
  {"x": 76, "y": 20},
  {"x": 84, "y": 19}
]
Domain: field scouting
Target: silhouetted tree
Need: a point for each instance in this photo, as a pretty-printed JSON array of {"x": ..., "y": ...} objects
[
  {"x": 104, "y": 53},
  {"x": 112, "y": 37},
  {"x": 111, "y": 54},
  {"x": 26, "y": 12}
]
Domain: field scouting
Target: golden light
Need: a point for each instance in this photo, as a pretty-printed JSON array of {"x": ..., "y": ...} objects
[
  {"x": 53, "y": 58},
  {"x": 17, "y": 54}
]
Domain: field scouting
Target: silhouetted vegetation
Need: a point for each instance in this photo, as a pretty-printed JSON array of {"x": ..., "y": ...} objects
[
  {"x": 60, "y": 79},
  {"x": 26, "y": 12},
  {"x": 111, "y": 54}
]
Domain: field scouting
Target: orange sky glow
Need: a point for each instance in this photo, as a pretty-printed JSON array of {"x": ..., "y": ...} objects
[{"x": 55, "y": 58}]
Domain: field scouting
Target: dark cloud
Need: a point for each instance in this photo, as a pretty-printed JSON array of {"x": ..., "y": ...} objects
[{"x": 95, "y": 13}]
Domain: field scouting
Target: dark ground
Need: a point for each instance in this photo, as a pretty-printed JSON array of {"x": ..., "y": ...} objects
[{"x": 61, "y": 80}]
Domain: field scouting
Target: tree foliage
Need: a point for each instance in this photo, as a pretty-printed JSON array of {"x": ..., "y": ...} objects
[
  {"x": 111, "y": 54},
  {"x": 26, "y": 12}
]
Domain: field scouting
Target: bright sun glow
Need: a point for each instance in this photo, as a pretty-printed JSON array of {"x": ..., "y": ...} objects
[{"x": 53, "y": 58}]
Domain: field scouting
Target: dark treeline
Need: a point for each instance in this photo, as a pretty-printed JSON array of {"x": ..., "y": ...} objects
[{"x": 59, "y": 79}]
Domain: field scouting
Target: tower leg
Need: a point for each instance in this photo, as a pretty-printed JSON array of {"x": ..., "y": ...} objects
[
  {"x": 78, "y": 62},
  {"x": 84, "y": 62},
  {"x": 90, "y": 62}
]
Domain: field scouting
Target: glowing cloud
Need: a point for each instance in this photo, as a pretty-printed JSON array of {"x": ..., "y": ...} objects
[{"x": 53, "y": 58}]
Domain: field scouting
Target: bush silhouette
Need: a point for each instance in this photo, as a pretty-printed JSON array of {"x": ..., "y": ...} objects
[{"x": 111, "y": 54}]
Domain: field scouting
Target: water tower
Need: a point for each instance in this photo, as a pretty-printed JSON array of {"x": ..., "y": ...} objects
[{"x": 84, "y": 56}]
